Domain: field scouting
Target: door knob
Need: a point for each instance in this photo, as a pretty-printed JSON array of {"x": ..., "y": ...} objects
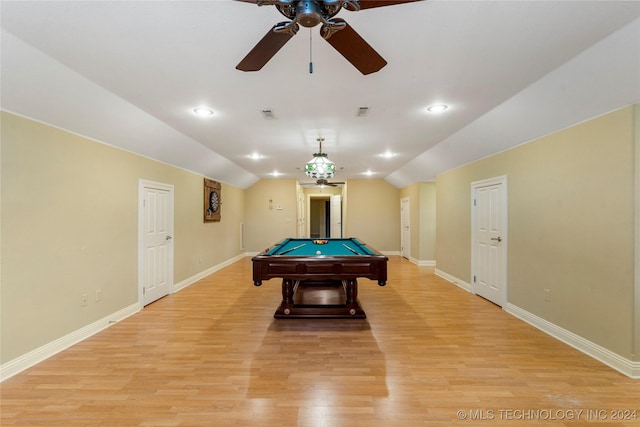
[
  {"x": 168, "y": 238},
  {"x": 497, "y": 239}
]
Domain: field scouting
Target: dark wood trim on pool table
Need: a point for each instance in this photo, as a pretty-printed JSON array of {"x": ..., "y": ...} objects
[{"x": 373, "y": 267}]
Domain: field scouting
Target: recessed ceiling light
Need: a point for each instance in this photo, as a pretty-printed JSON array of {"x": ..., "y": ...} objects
[
  {"x": 275, "y": 173},
  {"x": 388, "y": 154},
  {"x": 439, "y": 108},
  {"x": 369, "y": 172},
  {"x": 203, "y": 112},
  {"x": 255, "y": 156}
]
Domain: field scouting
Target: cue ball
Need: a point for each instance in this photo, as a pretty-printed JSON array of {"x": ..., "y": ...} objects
[{"x": 318, "y": 252}]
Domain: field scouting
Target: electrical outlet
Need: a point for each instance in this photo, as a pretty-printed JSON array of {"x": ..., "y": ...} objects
[
  {"x": 84, "y": 300},
  {"x": 98, "y": 295},
  {"x": 547, "y": 295}
]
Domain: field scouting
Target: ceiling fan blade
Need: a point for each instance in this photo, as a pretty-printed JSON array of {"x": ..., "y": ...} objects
[
  {"x": 264, "y": 50},
  {"x": 369, "y": 4},
  {"x": 355, "y": 49}
]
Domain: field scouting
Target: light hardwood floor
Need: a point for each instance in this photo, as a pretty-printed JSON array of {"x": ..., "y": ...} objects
[{"x": 428, "y": 354}]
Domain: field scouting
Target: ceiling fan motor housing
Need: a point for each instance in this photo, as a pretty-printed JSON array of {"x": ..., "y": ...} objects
[{"x": 308, "y": 14}]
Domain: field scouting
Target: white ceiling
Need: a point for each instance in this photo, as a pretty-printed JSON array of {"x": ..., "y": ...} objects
[{"x": 130, "y": 73}]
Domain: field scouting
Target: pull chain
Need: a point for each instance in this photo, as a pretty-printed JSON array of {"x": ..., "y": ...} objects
[{"x": 310, "y": 53}]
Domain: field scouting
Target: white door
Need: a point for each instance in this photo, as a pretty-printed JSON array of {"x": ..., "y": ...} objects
[
  {"x": 405, "y": 232},
  {"x": 156, "y": 241},
  {"x": 489, "y": 267},
  {"x": 336, "y": 216}
]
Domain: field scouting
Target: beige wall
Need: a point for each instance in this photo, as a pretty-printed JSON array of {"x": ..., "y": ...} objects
[
  {"x": 373, "y": 213},
  {"x": 571, "y": 227},
  {"x": 266, "y": 224},
  {"x": 70, "y": 226}
]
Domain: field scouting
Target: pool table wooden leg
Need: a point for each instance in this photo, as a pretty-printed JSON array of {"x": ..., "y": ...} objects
[
  {"x": 287, "y": 291},
  {"x": 351, "y": 291}
]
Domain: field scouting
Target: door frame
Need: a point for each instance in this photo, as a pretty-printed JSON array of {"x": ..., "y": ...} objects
[
  {"x": 142, "y": 184},
  {"x": 504, "y": 235}
]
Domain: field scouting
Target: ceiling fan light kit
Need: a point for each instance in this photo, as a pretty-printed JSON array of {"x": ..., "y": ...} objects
[{"x": 336, "y": 32}]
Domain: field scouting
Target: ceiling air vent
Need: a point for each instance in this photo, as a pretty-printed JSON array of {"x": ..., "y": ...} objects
[
  {"x": 362, "y": 111},
  {"x": 267, "y": 113}
]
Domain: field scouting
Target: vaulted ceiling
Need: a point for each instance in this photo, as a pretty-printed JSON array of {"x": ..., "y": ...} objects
[{"x": 130, "y": 73}]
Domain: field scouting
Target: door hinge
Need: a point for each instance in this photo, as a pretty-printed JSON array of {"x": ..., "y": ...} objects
[
  {"x": 474, "y": 279},
  {"x": 144, "y": 290},
  {"x": 474, "y": 202}
]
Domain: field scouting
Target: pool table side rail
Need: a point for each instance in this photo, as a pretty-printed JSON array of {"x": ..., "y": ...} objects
[
  {"x": 295, "y": 241},
  {"x": 283, "y": 246},
  {"x": 373, "y": 267}
]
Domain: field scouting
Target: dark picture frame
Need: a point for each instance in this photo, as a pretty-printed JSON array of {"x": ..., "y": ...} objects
[{"x": 212, "y": 205}]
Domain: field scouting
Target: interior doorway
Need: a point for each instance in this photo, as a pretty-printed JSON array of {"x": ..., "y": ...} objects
[
  {"x": 319, "y": 217},
  {"x": 325, "y": 216}
]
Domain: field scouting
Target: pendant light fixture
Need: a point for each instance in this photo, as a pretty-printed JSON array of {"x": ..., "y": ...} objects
[{"x": 320, "y": 167}]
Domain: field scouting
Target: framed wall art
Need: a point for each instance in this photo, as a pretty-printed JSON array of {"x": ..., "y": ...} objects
[{"x": 212, "y": 201}]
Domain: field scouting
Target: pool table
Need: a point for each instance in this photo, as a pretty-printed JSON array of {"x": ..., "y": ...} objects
[{"x": 319, "y": 276}]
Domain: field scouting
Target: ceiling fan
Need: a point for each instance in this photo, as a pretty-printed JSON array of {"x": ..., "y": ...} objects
[
  {"x": 322, "y": 183},
  {"x": 336, "y": 31}
]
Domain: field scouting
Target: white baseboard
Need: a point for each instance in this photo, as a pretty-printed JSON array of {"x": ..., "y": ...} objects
[
  {"x": 609, "y": 358},
  {"x": 191, "y": 280},
  {"x": 19, "y": 364},
  {"x": 449, "y": 278},
  {"x": 15, "y": 366},
  {"x": 423, "y": 262}
]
